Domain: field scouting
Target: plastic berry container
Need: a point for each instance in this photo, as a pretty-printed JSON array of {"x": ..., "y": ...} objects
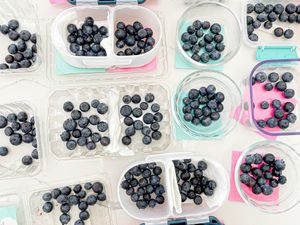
[
  {"x": 286, "y": 196},
  {"x": 266, "y": 37},
  {"x": 214, "y": 12},
  {"x": 172, "y": 207},
  {"x": 256, "y": 94},
  {"x": 12, "y": 209},
  {"x": 229, "y": 117},
  {"x": 25, "y": 12},
  {"x": 11, "y": 165},
  {"x": 109, "y": 17},
  {"x": 101, "y": 210}
]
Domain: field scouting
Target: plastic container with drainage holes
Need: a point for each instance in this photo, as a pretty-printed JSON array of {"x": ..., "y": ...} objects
[
  {"x": 109, "y": 17},
  {"x": 288, "y": 195},
  {"x": 173, "y": 208},
  {"x": 267, "y": 37},
  {"x": 214, "y": 12},
  {"x": 11, "y": 166}
]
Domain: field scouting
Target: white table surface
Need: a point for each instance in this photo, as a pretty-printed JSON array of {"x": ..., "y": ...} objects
[{"x": 232, "y": 213}]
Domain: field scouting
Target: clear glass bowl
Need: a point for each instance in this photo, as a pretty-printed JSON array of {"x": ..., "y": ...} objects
[
  {"x": 288, "y": 194},
  {"x": 233, "y": 104},
  {"x": 214, "y": 12}
]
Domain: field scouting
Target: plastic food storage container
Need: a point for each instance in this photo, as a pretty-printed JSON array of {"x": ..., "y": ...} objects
[
  {"x": 173, "y": 208},
  {"x": 25, "y": 12},
  {"x": 214, "y": 12},
  {"x": 112, "y": 96},
  {"x": 108, "y": 17},
  {"x": 267, "y": 37},
  {"x": 229, "y": 117},
  {"x": 99, "y": 211},
  {"x": 11, "y": 165},
  {"x": 256, "y": 95},
  {"x": 287, "y": 196},
  {"x": 99, "y": 2}
]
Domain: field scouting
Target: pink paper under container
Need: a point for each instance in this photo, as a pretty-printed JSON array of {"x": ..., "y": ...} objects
[{"x": 257, "y": 94}]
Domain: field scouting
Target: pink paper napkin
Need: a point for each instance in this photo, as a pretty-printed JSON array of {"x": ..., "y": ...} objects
[
  {"x": 234, "y": 195},
  {"x": 148, "y": 67},
  {"x": 57, "y": 1}
]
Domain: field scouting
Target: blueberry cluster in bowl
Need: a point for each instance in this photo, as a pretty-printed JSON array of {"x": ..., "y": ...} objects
[
  {"x": 22, "y": 53},
  {"x": 20, "y": 129},
  {"x": 86, "y": 40},
  {"x": 149, "y": 125},
  {"x": 283, "y": 114},
  {"x": 262, "y": 173},
  {"x": 133, "y": 39},
  {"x": 191, "y": 180},
  {"x": 82, "y": 196},
  {"x": 268, "y": 14},
  {"x": 203, "y": 106},
  {"x": 143, "y": 184},
  {"x": 78, "y": 128},
  {"x": 203, "y": 41}
]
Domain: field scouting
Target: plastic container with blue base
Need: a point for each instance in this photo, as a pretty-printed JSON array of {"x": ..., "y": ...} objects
[{"x": 212, "y": 221}]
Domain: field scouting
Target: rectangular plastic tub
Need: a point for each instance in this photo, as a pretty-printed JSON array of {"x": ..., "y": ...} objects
[
  {"x": 25, "y": 12},
  {"x": 257, "y": 95},
  {"x": 112, "y": 96},
  {"x": 11, "y": 165},
  {"x": 267, "y": 37},
  {"x": 109, "y": 17},
  {"x": 173, "y": 208}
]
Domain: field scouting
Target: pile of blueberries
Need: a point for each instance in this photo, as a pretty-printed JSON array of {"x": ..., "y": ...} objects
[
  {"x": 133, "y": 39},
  {"x": 203, "y": 106},
  {"x": 262, "y": 173},
  {"x": 283, "y": 114},
  {"x": 203, "y": 41},
  {"x": 191, "y": 181},
  {"x": 268, "y": 14},
  {"x": 22, "y": 54},
  {"x": 20, "y": 129},
  {"x": 77, "y": 127},
  {"x": 149, "y": 127},
  {"x": 79, "y": 196},
  {"x": 86, "y": 41},
  {"x": 143, "y": 184}
]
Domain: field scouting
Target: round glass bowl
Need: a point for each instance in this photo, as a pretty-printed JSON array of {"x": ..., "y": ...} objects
[
  {"x": 286, "y": 196},
  {"x": 233, "y": 104},
  {"x": 214, "y": 12}
]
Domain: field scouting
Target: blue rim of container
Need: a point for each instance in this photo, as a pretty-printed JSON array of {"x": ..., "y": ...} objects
[{"x": 252, "y": 98}]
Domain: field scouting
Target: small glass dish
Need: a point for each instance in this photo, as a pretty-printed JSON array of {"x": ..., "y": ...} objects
[
  {"x": 214, "y": 12},
  {"x": 233, "y": 104},
  {"x": 286, "y": 196}
]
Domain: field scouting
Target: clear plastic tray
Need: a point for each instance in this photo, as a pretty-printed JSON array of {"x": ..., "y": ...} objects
[
  {"x": 266, "y": 37},
  {"x": 278, "y": 66},
  {"x": 173, "y": 208},
  {"x": 108, "y": 17},
  {"x": 11, "y": 165},
  {"x": 25, "y": 12},
  {"x": 112, "y": 96}
]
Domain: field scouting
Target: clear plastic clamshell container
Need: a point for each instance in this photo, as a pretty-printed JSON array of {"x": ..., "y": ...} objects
[
  {"x": 25, "y": 12},
  {"x": 255, "y": 94},
  {"x": 266, "y": 37},
  {"x": 172, "y": 207},
  {"x": 11, "y": 165},
  {"x": 112, "y": 96},
  {"x": 109, "y": 17},
  {"x": 214, "y": 12}
]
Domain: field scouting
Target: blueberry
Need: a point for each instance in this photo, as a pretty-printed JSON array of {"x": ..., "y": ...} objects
[
  {"x": 155, "y": 126},
  {"x": 68, "y": 106},
  {"x": 220, "y": 47},
  {"x": 64, "y": 218},
  {"x": 83, "y": 122},
  {"x": 290, "y": 8},
  {"x": 76, "y": 114},
  {"x": 267, "y": 190},
  {"x": 269, "y": 8},
  {"x": 71, "y": 145},
  {"x": 250, "y": 8},
  {"x": 65, "y": 208},
  {"x": 35, "y": 154},
  {"x": 273, "y": 77},
  {"x": 256, "y": 189},
  {"x": 71, "y": 28},
  {"x": 27, "y": 138},
  {"x": 282, "y": 180},
  {"x": 215, "y": 28},
  {"x": 102, "y": 108},
  {"x": 289, "y": 107},
  {"x": 149, "y": 32},
  {"x": 156, "y": 135},
  {"x": 3, "y": 151},
  {"x": 15, "y": 139},
  {"x": 264, "y": 105},
  {"x": 289, "y": 93},
  {"x": 199, "y": 33},
  {"x": 86, "y": 132},
  {"x": 121, "y": 25},
  {"x": 283, "y": 17},
  {"x": 206, "y": 25},
  {"x": 261, "y": 17},
  {"x": 15, "y": 125},
  {"x": 4, "y": 29},
  {"x": 291, "y": 117},
  {"x": 137, "y": 25},
  {"x": 101, "y": 197},
  {"x": 218, "y": 38},
  {"x": 245, "y": 168},
  {"x": 261, "y": 123},
  {"x": 278, "y": 32},
  {"x": 13, "y": 35},
  {"x": 250, "y": 20},
  {"x": 128, "y": 121},
  {"x": 12, "y": 49},
  {"x": 130, "y": 131},
  {"x": 258, "y": 159},
  {"x": 27, "y": 160},
  {"x": 272, "y": 17},
  {"x": 288, "y": 34},
  {"x": 256, "y": 24},
  {"x": 13, "y": 24},
  {"x": 259, "y": 8},
  {"x": 33, "y": 38},
  {"x": 272, "y": 122},
  {"x": 144, "y": 105},
  {"x": 26, "y": 127},
  {"x": 281, "y": 86},
  {"x": 84, "y": 215},
  {"x": 292, "y": 18},
  {"x": 25, "y": 63},
  {"x": 12, "y": 117},
  {"x": 204, "y": 57},
  {"x": 25, "y": 35},
  {"x": 278, "y": 113},
  {"x": 47, "y": 207},
  {"x": 69, "y": 125},
  {"x": 147, "y": 140},
  {"x": 278, "y": 9},
  {"x": 287, "y": 77},
  {"x": 196, "y": 57}
]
